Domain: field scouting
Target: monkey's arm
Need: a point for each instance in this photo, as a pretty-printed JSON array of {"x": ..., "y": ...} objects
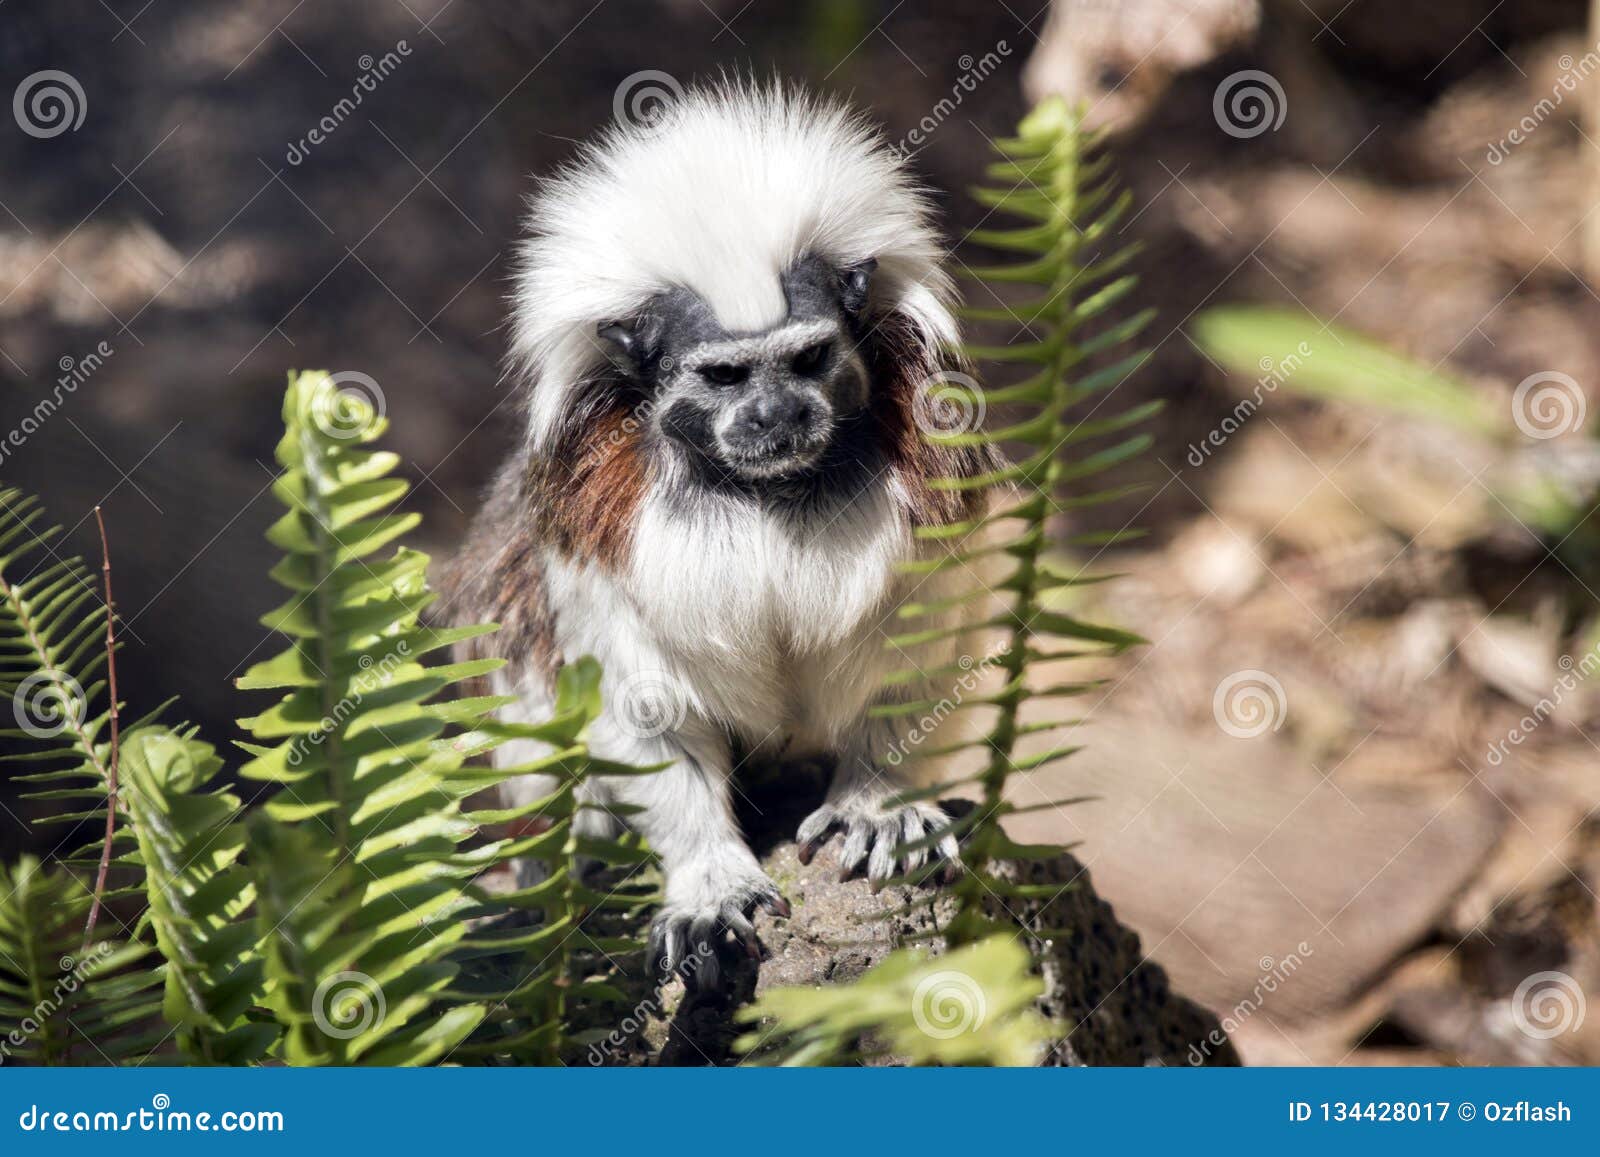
[{"x": 713, "y": 882}]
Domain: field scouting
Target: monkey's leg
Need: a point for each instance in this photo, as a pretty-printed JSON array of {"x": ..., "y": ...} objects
[
  {"x": 861, "y": 802},
  {"x": 529, "y": 791},
  {"x": 713, "y": 882}
]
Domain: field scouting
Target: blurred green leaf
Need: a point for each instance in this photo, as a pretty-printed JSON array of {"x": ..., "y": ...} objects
[{"x": 1290, "y": 350}]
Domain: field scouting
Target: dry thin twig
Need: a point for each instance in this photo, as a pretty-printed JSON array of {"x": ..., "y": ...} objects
[{"x": 111, "y": 767}]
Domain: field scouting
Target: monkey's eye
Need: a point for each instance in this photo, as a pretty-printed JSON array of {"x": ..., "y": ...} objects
[
  {"x": 724, "y": 375},
  {"x": 811, "y": 359}
]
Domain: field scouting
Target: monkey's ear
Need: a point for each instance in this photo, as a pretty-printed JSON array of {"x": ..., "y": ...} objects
[
  {"x": 634, "y": 345},
  {"x": 854, "y": 282}
]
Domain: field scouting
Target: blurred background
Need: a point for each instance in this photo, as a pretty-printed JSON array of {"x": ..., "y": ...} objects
[{"x": 1347, "y": 795}]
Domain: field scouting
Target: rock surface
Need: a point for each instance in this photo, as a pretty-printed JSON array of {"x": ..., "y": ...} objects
[{"x": 1122, "y": 1008}]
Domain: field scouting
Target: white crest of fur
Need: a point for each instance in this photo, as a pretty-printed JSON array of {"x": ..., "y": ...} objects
[{"x": 726, "y": 191}]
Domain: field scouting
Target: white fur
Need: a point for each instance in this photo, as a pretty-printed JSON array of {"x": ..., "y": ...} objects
[{"x": 733, "y": 185}]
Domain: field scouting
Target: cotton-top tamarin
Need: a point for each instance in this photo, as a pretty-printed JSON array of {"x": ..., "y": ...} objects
[{"x": 725, "y": 322}]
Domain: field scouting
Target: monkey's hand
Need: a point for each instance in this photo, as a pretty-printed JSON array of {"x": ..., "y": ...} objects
[
  {"x": 707, "y": 901},
  {"x": 890, "y": 838}
]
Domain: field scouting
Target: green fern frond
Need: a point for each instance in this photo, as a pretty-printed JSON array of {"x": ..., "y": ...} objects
[
  {"x": 354, "y": 859},
  {"x": 344, "y": 987},
  {"x": 52, "y": 668},
  {"x": 973, "y": 1006},
  {"x": 1070, "y": 432},
  {"x": 557, "y": 942},
  {"x": 62, "y": 1001},
  {"x": 190, "y": 841}
]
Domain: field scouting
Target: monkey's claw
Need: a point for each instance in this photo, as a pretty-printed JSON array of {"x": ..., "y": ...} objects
[
  {"x": 687, "y": 938},
  {"x": 874, "y": 835}
]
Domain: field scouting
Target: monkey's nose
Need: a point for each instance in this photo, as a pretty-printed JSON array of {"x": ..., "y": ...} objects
[{"x": 779, "y": 412}]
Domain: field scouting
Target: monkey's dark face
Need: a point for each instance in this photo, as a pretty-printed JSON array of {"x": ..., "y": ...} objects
[{"x": 756, "y": 406}]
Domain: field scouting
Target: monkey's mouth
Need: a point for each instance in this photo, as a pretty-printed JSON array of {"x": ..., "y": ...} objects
[{"x": 777, "y": 455}]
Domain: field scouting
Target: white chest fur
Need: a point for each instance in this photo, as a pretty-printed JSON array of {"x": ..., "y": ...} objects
[{"x": 754, "y": 608}]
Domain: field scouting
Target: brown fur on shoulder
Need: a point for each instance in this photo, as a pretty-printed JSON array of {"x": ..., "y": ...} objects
[
  {"x": 496, "y": 578},
  {"x": 585, "y": 497},
  {"x": 901, "y": 364}
]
